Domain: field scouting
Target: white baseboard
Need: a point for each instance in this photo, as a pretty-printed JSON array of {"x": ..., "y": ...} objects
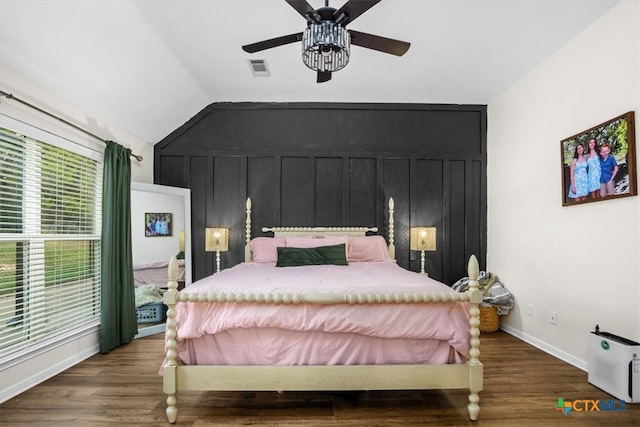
[
  {"x": 46, "y": 363},
  {"x": 553, "y": 351},
  {"x": 150, "y": 330}
]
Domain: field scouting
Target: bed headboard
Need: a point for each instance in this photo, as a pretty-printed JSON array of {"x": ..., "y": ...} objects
[
  {"x": 319, "y": 231},
  {"x": 322, "y": 231}
]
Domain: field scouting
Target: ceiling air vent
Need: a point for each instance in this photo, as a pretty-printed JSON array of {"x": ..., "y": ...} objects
[{"x": 259, "y": 67}]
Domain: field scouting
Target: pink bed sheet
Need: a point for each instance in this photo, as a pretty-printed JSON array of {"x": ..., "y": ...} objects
[{"x": 287, "y": 334}]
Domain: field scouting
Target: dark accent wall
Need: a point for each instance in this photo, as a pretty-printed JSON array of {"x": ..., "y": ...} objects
[{"x": 334, "y": 164}]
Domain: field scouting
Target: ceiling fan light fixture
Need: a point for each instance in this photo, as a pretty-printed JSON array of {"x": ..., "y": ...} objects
[{"x": 326, "y": 46}]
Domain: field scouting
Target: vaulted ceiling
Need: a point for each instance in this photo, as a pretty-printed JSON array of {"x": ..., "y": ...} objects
[{"x": 150, "y": 65}]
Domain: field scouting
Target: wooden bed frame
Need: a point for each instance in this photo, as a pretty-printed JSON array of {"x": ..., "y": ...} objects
[{"x": 323, "y": 378}]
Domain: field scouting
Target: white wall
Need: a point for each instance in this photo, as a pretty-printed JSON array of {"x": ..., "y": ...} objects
[
  {"x": 582, "y": 262},
  {"x": 16, "y": 84}
]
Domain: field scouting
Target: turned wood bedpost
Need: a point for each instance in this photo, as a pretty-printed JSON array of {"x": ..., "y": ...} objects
[
  {"x": 475, "y": 367},
  {"x": 247, "y": 238},
  {"x": 392, "y": 246},
  {"x": 169, "y": 372}
]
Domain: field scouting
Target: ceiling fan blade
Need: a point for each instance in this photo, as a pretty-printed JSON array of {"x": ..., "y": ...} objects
[
  {"x": 304, "y": 9},
  {"x": 352, "y": 9},
  {"x": 268, "y": 44},
  {"x": 324, "y": 76},
  {"x": 381, "y": 44}
]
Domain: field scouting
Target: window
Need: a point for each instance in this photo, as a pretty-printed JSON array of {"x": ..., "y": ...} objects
[{"x": 50, "y": 221}]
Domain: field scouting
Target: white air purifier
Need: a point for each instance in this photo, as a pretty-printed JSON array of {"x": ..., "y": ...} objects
[{"x": 614, "y": 365}]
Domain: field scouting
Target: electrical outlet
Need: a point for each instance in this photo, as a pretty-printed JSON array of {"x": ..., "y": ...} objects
[
  {"x": 553, "y": 318},
  {"x": 530, "y": 310}
]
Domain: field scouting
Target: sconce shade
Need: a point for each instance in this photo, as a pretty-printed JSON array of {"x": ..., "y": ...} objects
[
  {"x": 423, "y": 239},
  {"x": 216, "y": 240}
]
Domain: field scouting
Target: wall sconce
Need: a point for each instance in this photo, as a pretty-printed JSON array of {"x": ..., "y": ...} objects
[
  {"x": 181, "y": 239},
  {"x": 216, "y": 240},
  {"x": 423, "y": 239}
]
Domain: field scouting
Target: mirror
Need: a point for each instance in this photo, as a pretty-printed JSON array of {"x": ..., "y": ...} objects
[
  {"x": 160, "y": 229},
  {"x": 150, "y": 201}
]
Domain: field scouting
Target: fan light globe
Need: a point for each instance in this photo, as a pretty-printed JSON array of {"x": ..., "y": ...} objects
[{"x": 326, "y": 46}]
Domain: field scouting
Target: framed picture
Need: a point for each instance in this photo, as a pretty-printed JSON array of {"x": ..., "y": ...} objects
[
  {"x": 157, "y": 224},
  {"x": 600, "y": 163}
]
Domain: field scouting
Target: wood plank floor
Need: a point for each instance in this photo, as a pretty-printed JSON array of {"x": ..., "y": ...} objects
[{"x": 123, "y": 388}]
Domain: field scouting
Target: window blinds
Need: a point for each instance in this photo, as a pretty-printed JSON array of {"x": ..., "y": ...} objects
[{"x": 50, "y": 221}]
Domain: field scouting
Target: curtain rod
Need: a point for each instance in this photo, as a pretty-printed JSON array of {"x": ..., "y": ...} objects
[{"x": 10, "y": 96}]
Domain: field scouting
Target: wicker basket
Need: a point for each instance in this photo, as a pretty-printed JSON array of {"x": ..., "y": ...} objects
[{"x": 489, "y": 320}]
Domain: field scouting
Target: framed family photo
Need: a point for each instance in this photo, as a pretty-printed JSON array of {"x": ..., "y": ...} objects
[
  {"x": 157, "y": 224},
  {"x": 600, "y": 163}
]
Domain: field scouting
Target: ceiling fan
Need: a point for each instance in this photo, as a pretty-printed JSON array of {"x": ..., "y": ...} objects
[{"x": 326, "y": 43}]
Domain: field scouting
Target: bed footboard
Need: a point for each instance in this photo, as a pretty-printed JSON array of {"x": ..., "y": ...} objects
[{"x": 363, "y": 377}]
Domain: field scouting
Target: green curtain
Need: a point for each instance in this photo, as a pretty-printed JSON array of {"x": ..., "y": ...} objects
[{"x": 118, "y": 318}]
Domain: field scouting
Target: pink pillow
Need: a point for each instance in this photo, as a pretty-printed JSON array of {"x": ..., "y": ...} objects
[
  {"x": 265, "y": 249},
  {"x": 367, "y": 249},
  {"x": 314, "y": 242}
]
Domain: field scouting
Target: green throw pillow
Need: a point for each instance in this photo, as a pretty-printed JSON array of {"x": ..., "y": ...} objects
[{"x": 323, "y": 255}]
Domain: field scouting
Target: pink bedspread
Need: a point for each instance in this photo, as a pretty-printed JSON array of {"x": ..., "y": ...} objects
[{"x": 243, "y": 333}]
